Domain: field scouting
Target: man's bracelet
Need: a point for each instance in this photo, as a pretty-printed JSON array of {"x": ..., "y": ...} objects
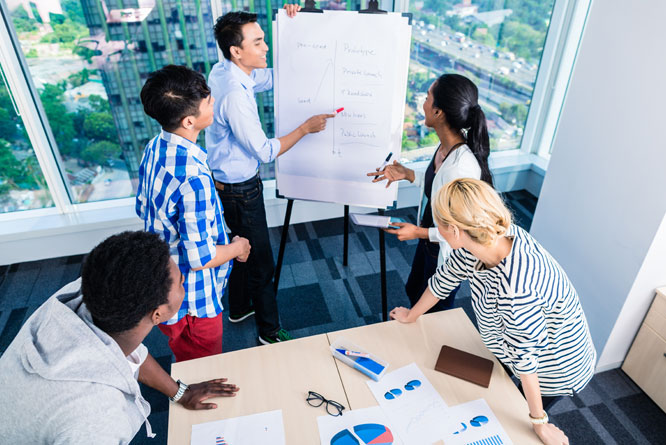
[
  {"x": 182, "y": 387},
  {"x": 539, "y": 420}
]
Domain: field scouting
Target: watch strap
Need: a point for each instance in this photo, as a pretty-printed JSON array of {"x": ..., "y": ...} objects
[
  {"x": 182, "y": 387},
  {"x": 539, "y": 420}
]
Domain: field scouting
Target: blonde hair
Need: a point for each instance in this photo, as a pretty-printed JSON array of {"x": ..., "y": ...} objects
[{"x": 473, "y": 206}]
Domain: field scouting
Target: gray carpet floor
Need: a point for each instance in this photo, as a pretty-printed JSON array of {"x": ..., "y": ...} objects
[{"x": 318, "y": 294}]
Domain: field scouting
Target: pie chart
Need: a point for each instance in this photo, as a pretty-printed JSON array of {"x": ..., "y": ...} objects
[
  {"x": 369, "y": 433},
  {"x": 478, "y": 421}
]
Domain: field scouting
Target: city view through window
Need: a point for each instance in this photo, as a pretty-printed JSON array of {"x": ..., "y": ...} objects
[{"x": 89, "y": 58}]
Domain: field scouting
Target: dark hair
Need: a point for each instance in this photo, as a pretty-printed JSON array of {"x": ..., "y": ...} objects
[
  {"x": 173, "y": 93},
  {"x": 228, "y": 30},
  {"x": 458, "y": 98},
  {"x": 124, "y": 278}
]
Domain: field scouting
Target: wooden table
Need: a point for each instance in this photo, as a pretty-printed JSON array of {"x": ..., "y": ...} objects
[
  {"x": 271, "y": 377},
  {"x": 279, "y": 377},
  {"x": 420, "y": 342}
]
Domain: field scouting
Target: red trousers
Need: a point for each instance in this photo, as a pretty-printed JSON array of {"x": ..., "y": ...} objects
[{"x": 194, "y": 337}]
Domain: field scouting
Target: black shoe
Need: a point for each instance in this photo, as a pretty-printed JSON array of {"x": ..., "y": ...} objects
[
  {"x": 237, "y": 318},
  {"x": 279, "y": 336}
]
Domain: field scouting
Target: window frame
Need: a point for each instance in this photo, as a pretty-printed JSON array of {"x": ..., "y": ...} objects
[{"x": 560, "y": 47}]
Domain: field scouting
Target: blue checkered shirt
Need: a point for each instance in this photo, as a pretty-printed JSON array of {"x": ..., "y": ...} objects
[{"x": 176, "y": 199}]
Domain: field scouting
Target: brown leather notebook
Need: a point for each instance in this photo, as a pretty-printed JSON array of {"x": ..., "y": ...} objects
[{"x": 464, "y": 365}]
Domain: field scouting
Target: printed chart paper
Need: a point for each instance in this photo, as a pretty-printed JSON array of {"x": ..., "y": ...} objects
[
  {"x": 247, "y": 430},
  {"x": 414, "y": 407},
  {"x": 370, "y": 220},
  {"x": 368, "y": 426},
  {"x": 476, "y": 424}
]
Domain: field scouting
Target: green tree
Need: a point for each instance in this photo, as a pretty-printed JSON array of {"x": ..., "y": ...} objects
[
  {"x": 100, "y": 127},
  {"x": 484, "y": 37},
  {"x": 78, "y": 79},
  {"x": 83, "y": 52},
  {"x": 22, "y": 22},
  {"x": 514, "y": 113},
  {"x": 99, "y": 152},
  {"x": 99, "y": 104},
  {"x": 429, "y": 140},
  {"x": 523, "y": 40},
  {"x": 13, "y": 174},
  {"x": 7, "y": 125},
  {"x": 408, "y": 144},
  {"x": 61, "y": 122},
  {"x": 73, "y": 11}
]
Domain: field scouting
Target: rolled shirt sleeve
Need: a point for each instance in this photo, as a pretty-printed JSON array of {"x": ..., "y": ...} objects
[
  {"x": 196, "y": 210},
  {"x": 525, "y": 331},
  {"x": 246, "y": 127},
  {"x": 448, "y": 276}
]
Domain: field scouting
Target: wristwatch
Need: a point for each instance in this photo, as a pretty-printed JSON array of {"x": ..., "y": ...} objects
[
  {"x": 539, "y": 420},
  {"x": 182, "y": 387}
]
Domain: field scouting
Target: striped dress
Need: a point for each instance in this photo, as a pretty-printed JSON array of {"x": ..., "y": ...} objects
[{"x": 528, "y": 313}]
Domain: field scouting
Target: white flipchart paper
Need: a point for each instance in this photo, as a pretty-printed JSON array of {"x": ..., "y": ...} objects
[{"x": 340, "y": 59}]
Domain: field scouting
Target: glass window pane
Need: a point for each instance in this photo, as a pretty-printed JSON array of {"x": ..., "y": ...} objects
[
  {"x": 22, "y": 184},
  {"x": 498, "y": 45},
  {"x": 88, "y": 60}
]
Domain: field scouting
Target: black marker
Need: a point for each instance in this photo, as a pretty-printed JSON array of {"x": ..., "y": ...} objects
[{"x": 388, "y": 158}]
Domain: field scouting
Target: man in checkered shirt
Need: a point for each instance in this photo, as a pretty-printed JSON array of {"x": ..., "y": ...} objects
[{"x": 176, "y": 199}]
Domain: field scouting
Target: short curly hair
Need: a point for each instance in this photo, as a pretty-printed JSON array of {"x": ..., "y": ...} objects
[{"x": 124, "y": 278}]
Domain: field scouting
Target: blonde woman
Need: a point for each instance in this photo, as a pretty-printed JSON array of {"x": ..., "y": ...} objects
[{"x": 527, "y": 310}]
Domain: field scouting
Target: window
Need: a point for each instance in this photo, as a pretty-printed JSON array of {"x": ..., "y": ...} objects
[
  {"x": 22, "y": 184},
  {"x": 498, "y": 48},
  {"x": 88, "y": 60}
]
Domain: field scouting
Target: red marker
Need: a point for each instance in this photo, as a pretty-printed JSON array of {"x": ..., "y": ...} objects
[{"x": 339, "y": 110}]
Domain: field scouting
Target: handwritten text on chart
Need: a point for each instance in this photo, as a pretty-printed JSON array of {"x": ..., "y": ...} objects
[
  {"x": 356, "y": 72},
  {"x": 356, "y": 92},
  {"x": 311, "y": 45},
  {"x": 361, "y": 134},
  {"x": 352, "y": 115},
  {"x": 351, "y": 48}
]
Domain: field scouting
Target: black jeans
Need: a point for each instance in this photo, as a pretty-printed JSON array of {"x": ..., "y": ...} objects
[
  {"x": 251, "y": 283},
  {"x": 424, "y": 267}
]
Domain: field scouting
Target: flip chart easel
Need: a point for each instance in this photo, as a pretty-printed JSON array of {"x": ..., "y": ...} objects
[{"x": 344, "y": 58}]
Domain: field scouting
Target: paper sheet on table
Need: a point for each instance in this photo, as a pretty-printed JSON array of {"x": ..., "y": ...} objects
[
  {"x": 247, "y": 430},
  {"x": 414, "y": 407},
  {"x": 370, "y": 220},
  {"x": 359, "y": 426},
  {"x": 476, "y": 424}
]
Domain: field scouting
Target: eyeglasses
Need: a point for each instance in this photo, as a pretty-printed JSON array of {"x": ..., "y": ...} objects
[
  {"x": 333, "y": 408},
  {"x": 396, "y": 392}
]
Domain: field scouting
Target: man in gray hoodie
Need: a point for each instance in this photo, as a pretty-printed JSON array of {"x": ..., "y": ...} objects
[{"x": 70, "y": 375}]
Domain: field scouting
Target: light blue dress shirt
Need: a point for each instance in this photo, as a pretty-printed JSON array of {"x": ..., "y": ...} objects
[{"x": 236, "y": 142}]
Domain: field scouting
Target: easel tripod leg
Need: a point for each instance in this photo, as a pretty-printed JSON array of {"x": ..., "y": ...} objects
[
  {"x": 283, "y": 243},
  {"x": 345, "y": 249}
]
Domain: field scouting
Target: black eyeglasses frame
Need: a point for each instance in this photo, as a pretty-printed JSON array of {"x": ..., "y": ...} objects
[{"x": 314, "y": 397}]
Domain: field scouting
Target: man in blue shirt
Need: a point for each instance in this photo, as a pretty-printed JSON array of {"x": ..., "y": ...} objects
[
  {"x": 176, "y": 199},
  {"x": 238, "y": 145}
]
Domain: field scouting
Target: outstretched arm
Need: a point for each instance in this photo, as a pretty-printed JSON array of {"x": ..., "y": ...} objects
[
  {"x": 153, "y": 375},
  {"x": 547, "y": 432}
]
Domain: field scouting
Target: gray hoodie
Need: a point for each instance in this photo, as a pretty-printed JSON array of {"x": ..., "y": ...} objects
[{"x": 65, "y": 381}]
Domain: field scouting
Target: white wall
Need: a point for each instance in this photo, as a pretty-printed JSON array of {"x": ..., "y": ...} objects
[{"x": 603, "y": 198}]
